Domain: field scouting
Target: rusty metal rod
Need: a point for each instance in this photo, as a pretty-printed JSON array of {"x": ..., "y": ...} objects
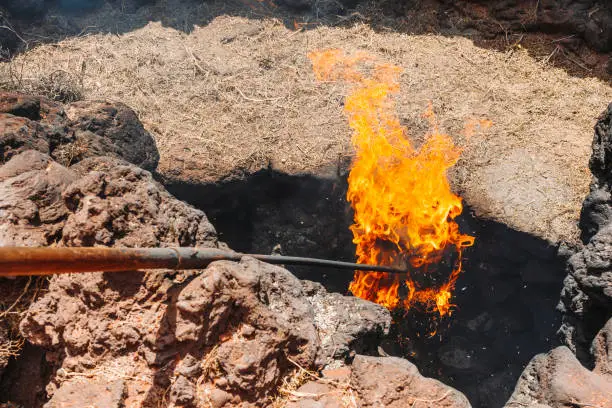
[{"x": 26, "y": 261}]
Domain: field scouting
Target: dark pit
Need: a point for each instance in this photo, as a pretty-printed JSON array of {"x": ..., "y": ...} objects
[{"x": 505, "y": 299}]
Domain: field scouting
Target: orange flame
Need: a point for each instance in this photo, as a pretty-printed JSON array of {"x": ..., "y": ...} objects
[{"x": 404, "y": 207}]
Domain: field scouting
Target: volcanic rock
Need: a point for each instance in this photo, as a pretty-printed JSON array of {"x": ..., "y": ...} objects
[
  {"x": 44, "y": 203},
  {"x": 601, "y": 349},
  {"x": 229, "y": 335},
  {"x": 84, "y": 129},
  {"x": 376, "y": 382},
  {"x": 46, "y": 111},
  {"x": 233, "y": 332},
  {"x": 558, "y": 380},
  {"x": 118, "y": 124},
  {"x": 319, "y": 395},
  {"x": 597, "y": 208},
  {"x": 37, "y": 207},
  {"x": 20, "y": 134},
  {"x": 82, "y": 392},
  {"x": 346, "y": 324},
  {"x": 586, "y": 300},
  {"x": 394, "y": 382},
  {"x": 16, "y": 104},
  {"x": 32, "y": 209},
  {"x": 121, "y": 205}
]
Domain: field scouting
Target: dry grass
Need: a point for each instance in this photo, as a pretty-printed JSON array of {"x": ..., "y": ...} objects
[
  {"x": 234, "y": 95},
  {"x": 120, "y": 368},
  {"x": 288, "y": 392},
  {"x": 210, "y": 369},
  {"x": 12, "y": 348},
  {"x": 294, "y": 380},
  {"x": 59, "y": 85},
  {"x": 16, "y": 296},
  {"x": 67, "y": 153}
]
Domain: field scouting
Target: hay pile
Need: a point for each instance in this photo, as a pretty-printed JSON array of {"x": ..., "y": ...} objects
[{"x": 234, "y": 95}]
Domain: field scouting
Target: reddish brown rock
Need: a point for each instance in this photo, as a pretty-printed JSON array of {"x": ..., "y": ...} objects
[
  {"x": 557, "y": 379},
  {"x": 376, "y": 382},
  {"x": 227, "y": 337},
  {"x": 29, "y": 160},
  {"x": 104, "y": 200},
  {"x": 92, "y": 129},
  {"x": 44, "y": 203},
  {"x": 33, "y": 107},
  {"x": 393, "y": 382},
  {"x": 264, "y": 317},
  {"x": 27, "y": 106},
  {"x": 18, "y": 134},
  {"x": 337, "y": 374},
  {"x": 601, "y": 349},
  {"x": 84, "y": 392},
  {"x": 119, "y": 125},
  {"x": 121, "y": 205},
  {"x": 316, "y": 394},
  {"x": 32, "y": 209}
]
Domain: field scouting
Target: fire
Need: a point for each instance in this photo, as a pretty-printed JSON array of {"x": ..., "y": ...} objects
[{"x": 403, "y": 205}]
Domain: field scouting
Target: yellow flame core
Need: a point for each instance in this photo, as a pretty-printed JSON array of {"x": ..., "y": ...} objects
[{"x": 404, "y": 207}]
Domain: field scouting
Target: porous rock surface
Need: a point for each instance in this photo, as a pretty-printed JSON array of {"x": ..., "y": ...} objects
[
  {"x": 558, "y": 380},
  {"x": 116, "y": 203},
  {"x": 102, "y": 200},
  {"x": 376, "y": 382},
  {"x": 345, "y": 324},
  {"x": 70, "y": 134},
  {"x": 117, "y": 124},
  {"x": 586, "y": 300},
  {"x": 226, "y": 336}
]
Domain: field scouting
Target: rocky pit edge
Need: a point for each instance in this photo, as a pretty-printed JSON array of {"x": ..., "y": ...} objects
[{"x": 237, "y": 334}]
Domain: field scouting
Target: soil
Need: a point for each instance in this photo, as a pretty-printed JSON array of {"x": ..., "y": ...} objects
[{"x": 226, "y": 90}]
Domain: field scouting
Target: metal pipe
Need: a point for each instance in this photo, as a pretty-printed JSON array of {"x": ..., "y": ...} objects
[{"x": 26, "y": 261}]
